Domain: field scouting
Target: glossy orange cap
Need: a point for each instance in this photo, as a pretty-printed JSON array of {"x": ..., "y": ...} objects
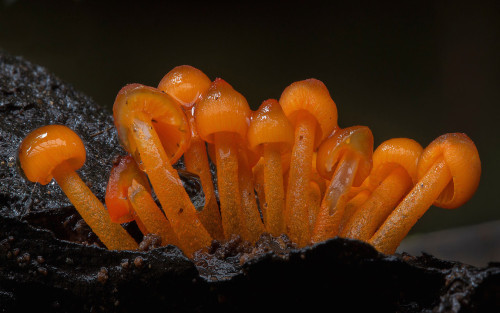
[
  {"x": 270, "y": 125},
  {"x": 358, "y": 139},
  {"x": 165, "y": 114},
  {"x": 186, "y": 84},
  {"x": 47, "y": 147},
  {"x": 311, "y": 95},
  {"x": 462, "y": 158},
  {"x": 222, "y": 109}
]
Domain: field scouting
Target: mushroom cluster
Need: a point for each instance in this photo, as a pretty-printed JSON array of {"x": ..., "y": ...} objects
[{"x": 287, "y": 168}]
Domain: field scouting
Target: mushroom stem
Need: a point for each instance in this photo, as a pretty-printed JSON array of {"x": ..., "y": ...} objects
[
  {"x": 372, "y": 213},
  {"x": 330, "y": 214},
  {"x": 226, "y": 152},
  {"x": 297, "y": 205},
  {"x": 168, "y": 188},
  {"x": 413, "y": 206},
  {"x": 150, "y": 214},
  {"x": 274, "y": 190},
  {"x": 351, "y": 207},
  {"x": 250, "y": 220},
  {"x": 196, "y": 161},
  {"x": 92, "y": 210}
]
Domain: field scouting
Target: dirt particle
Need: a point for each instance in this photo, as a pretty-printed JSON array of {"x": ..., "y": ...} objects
[
  {"x": 26, "y": 257},
  {"x": 125, "y": 264},
  {"x": 117, "y": 303},
  {"x": 16, "y": 251},
  {"x": 10, "y": 239},
  {"x": 9, "y": 255},
  {"x": 42, "y": 271},
  {"x": 69, "y": 261},
  {"x": 139, "y": 262},
  {"x": 40, "y": 259},
  {"x": 102, "y": 275},
  {"x": 149, "y": 242}
]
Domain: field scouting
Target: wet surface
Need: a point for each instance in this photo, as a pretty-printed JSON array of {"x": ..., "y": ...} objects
[{"x": 51, "y": 261}]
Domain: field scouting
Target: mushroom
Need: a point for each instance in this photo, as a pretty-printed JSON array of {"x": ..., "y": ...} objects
[
  {"x": 222, "y": 117},
  {"x": 271, "y": 135},
  {"x": 122, "y": 173},
  {"x": 312, "y": 112},
  {"x": 122, "y": 208},
  {"x": 55, "y": 151},
  {"x": 346, "y": 159},
  {"x": 187, "y": 85},
  {"x": 448, "y": 175},
  {"x": 138, "y": 111},
  {"x": 394, "y": 173}
]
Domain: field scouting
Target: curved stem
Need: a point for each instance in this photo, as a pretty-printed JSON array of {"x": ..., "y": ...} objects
[
  {"x": 351, "y": 207},
  {"x": 112, "y": 235},
  {"x": 249, "y": 212},
  {"x": 168, "y": 188},
  {"x": 274, "y": 190},
  {"x": 414, "y": 205},
  {"x": 226, "y": 152},
  {"x": 330, "y": 214},
  {"x": 150, "y": 214},
  {"x": 297, "y": 205},
  {"x": 382, "y": 201},
  {"x": 196, "y": 161}
]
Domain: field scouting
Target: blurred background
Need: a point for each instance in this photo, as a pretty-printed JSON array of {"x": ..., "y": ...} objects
[{"x": 414, "y": 69}]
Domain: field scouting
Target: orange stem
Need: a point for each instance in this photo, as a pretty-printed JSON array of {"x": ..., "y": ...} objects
[
  {"x": 414, "y": 205},
  {"x": 330, "y": 214},
  {"x": 150, "y": 214},
  {"x": 168, "y": 188},
  {"x": 274, "y": 191},
  {"x": 93, "y": 212},
  {"x": 226, "y": 154},
  {"x": 258, "y": 176},
  {"x": 315, "y": 196},
  {"x": 196, "y": 161},
  {"x": 249, "y": 212},
  {"x": 297, "y": 205},
  {"x": 366, "y": 220},
  {"x": 351, "y": 207}
]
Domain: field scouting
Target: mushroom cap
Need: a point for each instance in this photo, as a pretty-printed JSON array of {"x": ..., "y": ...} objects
[
  {"x": 164, "y": 112},
  {"x": 222, "y": 109},
  {"x": 403, "y": 152},
  {"x": 186, "y": 84},
  {"x": 270, "y": 125},
  {"x": 124, "y": 171},
  {"x": 358, "y": 139},
  {"x": 462, "y": 158},
  {"x": 47, "y": 147},
  {"x": 311, "y": 95}
]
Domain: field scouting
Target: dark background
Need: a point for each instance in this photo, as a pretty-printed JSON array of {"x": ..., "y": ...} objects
[{"x": 415, "y": 69}]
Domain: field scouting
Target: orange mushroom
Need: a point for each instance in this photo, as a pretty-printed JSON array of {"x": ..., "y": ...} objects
[
  {"x": 55, "y": 151},
  {"x": 122, "y": 173},
  {"x": 126, "y": 175},
  {"x": 222, "y": 118},
  {"x": 394, "y": 173},
  {"x": 312, "y": 112},
  {"x": 271, "y": 135},
  {"x": 138, "y": 111},
  {"x": 448, "y": 170},
  {"x": 187, "y": 85},
  {"x": 346, "y": 159}
]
